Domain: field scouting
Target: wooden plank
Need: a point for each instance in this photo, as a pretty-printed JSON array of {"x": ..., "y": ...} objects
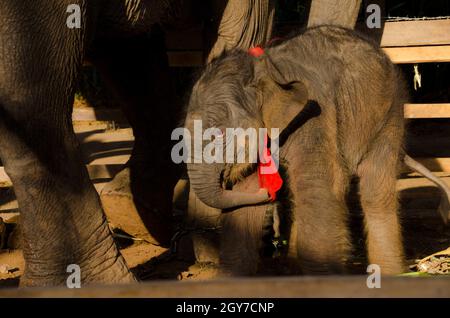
[
  {"x": 416, "y": 33},
  {"x": 418, "y": 182},
  {"x": 106, "y": 147},
  {"x": 272, "y": 287},
  {"x": 185, "y": 58},
  {"x": 95, "y": 114},
  {"x": 10, "y": 217},
  {"x": 419, "y": 54},
  {"x": 415, "y": 111}
]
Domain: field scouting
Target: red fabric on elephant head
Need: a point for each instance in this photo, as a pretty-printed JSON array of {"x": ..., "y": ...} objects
[{"x": 256, "y": 51}]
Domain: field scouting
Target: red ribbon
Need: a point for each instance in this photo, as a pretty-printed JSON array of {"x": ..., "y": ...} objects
[
  {"x": 271, "y": 180},
  {"x": 256, "y": 51}
]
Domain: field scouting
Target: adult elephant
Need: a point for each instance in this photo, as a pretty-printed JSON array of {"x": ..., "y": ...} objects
[{"x": 40, "y": 61}]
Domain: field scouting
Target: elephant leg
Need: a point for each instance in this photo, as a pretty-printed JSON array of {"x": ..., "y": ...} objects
[
  {"x": 62, "y": 219},
  {"x": 323, "y": 243},
  {"x": 137, "y": 71},
  {"x": 378, "y": 178},
  {"x": 205, "y": 221},
  {"x": 242, "y": 234},
  {"x": 319, "y": 237}
]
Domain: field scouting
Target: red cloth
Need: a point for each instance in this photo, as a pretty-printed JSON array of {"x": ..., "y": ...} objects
[
  {"x": 256, "y": 51},
  {"x": 269, "y": 178}
]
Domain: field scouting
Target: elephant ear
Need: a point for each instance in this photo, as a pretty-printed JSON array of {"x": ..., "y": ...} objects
[{"x": 282, "y": 101}]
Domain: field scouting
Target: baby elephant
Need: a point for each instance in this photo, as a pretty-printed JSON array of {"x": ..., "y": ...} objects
[{"x": 359, "y": 133}]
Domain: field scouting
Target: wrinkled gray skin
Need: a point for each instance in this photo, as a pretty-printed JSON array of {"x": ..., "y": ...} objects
[
  {"x": 40, "y": 61},
  {"x": 359, "y": 133}
]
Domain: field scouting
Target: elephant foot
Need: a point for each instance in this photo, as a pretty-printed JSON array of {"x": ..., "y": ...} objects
[
  {"x": 90, "y": 261},
  {"x": 206, "y": 247},
  {"x": 146, "y": 218},
  {"x": 115, "y": 273}
]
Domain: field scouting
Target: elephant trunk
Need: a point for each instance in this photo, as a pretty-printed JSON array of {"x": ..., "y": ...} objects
[{"x": 205, "y": 181}]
